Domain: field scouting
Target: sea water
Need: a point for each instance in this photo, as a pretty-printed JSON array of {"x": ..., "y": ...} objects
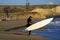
[{"x": 51, "y": 31}]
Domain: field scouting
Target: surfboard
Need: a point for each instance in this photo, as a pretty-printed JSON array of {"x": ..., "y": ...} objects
[{"x": 39, "y": 24}]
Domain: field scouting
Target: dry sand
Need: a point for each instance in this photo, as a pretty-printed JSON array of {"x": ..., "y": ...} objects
[{"x": 13, "y": 30}]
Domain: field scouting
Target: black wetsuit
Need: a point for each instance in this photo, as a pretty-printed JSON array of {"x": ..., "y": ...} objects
[{"x": 29, "y": 22}]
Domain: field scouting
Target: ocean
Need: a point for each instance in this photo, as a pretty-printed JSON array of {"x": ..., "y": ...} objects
[{"x": 51, "y": 31}]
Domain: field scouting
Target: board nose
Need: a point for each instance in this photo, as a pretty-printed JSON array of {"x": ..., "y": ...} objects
[{"x": 51, "y": 18}]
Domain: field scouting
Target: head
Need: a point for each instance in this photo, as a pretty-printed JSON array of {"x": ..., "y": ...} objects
[{"x": 30, "y": 16}]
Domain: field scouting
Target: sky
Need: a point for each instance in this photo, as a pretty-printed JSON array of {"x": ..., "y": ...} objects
[{"x": 23, "y": 2}]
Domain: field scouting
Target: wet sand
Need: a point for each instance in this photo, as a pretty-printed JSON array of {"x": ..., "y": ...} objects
[
  {"x": 13, "y": 30},
  {"x": 14, "y": 36}
]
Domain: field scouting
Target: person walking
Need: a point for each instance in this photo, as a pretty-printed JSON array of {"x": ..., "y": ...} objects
[{"x": 29, "y": 22}]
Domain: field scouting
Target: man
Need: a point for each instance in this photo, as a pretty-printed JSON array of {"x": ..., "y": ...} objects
[{"x": 29, "y": 22}]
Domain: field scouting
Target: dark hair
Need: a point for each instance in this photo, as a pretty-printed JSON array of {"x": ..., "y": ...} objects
[{"x": 30, "y": 16}]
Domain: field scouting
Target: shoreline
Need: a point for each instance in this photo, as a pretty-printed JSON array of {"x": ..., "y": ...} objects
[
  {"x": 15, "y": 31},
  {"x": 19, "y": 35}
]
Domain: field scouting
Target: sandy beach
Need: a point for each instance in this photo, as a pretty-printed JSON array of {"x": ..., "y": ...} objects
[
  {"x": 14, "y": 36},
  {"x": 13, "y": 30}
]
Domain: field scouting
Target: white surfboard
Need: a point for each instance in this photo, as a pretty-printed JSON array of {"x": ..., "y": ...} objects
[{"x": 39, "y": 24}]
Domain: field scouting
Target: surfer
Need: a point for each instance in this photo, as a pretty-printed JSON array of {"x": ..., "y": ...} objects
[{"x": 29, "y": 22}]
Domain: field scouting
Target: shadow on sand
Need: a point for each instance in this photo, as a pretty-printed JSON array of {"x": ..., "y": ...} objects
[
  {"x": 25, "y": 34},
  {"x": 16, "y": 28}
]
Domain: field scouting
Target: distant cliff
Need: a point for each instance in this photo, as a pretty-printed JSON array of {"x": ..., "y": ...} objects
[{"x": 37, "y": 11}]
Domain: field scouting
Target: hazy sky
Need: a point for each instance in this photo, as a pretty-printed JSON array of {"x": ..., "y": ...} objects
[{"x": 23, "y": 2}]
